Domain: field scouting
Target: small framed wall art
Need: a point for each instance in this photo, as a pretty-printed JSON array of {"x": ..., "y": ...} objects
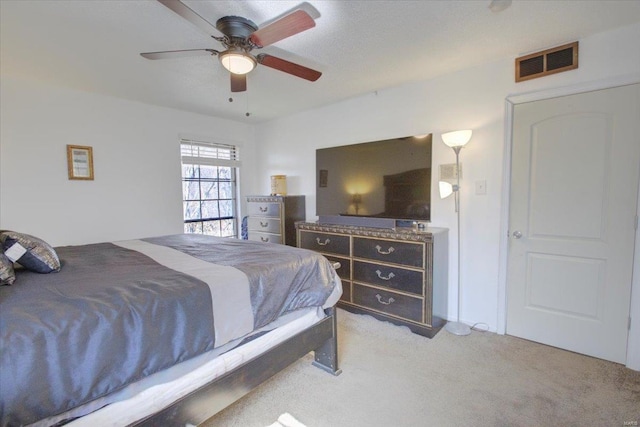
[{"x": 80, "y": 162}]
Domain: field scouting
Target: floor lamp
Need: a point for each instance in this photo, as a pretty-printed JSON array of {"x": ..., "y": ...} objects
[{"x": 456, "y": 140}]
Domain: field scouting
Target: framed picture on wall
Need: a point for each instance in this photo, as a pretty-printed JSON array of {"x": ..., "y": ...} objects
[{"x": 80, "y": 162}]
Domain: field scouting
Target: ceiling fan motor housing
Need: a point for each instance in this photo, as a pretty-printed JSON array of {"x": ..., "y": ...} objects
[{"x": 236, "y": 27}]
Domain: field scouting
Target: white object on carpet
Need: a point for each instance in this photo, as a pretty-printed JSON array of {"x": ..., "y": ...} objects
[{"x": 287, "y": 420}]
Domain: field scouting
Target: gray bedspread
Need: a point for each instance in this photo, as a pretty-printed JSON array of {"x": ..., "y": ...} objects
[
  {"x": 113, "y": 315},
  {"x": 304, "y": 278}
]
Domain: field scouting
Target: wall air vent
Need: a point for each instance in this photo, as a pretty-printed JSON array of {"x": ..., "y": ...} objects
[{"x": 550, "y": 61}]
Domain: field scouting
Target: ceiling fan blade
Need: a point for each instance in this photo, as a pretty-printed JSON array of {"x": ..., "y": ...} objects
[
  {"x": 238, "y": 82},
  {"x": 187, "y": 13},
  {"x": 289, "y": 25},
  {"x": 172, "y": 54},
  {"x": 288, "y": 67}
]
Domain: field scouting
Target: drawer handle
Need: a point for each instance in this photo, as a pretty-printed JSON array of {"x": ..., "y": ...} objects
[
  {"x": 380, "y": 251},
  {"x": 389, "y": 277},
  {"x": 326, "y": 241},
  {"x": 383, "y": 302},
  {"x": 263, "y": 209},
  {"x": 264, "y": 239},
  {"x": 264, "y": 224}
]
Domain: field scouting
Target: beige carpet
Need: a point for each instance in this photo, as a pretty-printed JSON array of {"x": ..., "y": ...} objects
[{"x": 392, "y": 377}]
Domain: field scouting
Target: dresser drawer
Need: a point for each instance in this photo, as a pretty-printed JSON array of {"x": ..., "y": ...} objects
[
  {"x": 263, "y": 209},
  {"x": 322, "y": 242},
  {"x": 389, "y": 277},
  {"x": 344, "y": 272},
  {"x": 265, "y": 237},
  {"x": 346, "y": 291},
  {"x": 267, "y": 225},
  {"x": 404, "y": 253},
  {"x": 388, "y": 302}
]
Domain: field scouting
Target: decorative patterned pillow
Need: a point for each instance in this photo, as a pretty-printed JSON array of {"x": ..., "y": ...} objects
[
  {"x": 32, "y": 253},
  {"x": 7, "y": 275}
]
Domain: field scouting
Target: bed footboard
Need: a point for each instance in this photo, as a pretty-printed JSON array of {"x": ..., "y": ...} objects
[
  {"x": 212, "y": 398},
  {"x": 326, "y": 356}
]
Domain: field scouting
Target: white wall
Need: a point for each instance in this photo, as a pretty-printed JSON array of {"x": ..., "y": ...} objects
[
  {"x": 470, "y": 99},
  {"x": 136, "y": 191}
]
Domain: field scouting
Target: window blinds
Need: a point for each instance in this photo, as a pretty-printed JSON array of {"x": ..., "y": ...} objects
[{"x": 208, "y": 153}]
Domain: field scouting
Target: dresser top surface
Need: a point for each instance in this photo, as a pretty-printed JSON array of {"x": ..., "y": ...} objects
[
  {"x": 399, "y": 233},
  {"x": 271, "y": 198}
]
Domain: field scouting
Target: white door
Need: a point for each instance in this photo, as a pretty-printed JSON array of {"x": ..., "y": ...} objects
[{"x": 574, "y": 185}]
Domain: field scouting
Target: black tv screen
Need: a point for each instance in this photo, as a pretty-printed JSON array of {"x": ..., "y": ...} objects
[{"x": 383, "y": 179}]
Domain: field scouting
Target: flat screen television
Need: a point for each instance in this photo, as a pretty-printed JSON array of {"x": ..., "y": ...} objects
[{"x": 378, "y": 179}]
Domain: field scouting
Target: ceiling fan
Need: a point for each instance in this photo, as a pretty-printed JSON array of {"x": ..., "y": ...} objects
[{"x": 240, "y": 36}]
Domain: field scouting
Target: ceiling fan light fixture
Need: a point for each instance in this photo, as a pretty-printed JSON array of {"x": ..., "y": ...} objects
[{"x": 237, "y": 62}]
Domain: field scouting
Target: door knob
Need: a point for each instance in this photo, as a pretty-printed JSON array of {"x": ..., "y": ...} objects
[{"x": 517, "y": 234}]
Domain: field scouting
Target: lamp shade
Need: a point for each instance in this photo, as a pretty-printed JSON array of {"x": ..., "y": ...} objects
[
  {"x": 446, "y": 189},
  {"x": 279, "y": 185},
  {"x": 457, "y": 138},
  {"x": 237, "y": 62}
]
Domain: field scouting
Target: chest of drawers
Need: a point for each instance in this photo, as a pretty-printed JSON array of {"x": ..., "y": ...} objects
[
  {"x": 271, "y": 219},
  {"x": 395, "y": 275}
]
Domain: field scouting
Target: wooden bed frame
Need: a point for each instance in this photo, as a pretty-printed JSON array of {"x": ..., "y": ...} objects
[{"x": 204, "y": 403}]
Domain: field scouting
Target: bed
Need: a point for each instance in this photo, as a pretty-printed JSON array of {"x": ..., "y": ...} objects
[{"x": 159, "y": 331}]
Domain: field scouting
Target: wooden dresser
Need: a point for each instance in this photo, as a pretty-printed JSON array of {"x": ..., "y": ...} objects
[
  {"x": 395, "y": 275},
  {"x": 271, "y": 219}
]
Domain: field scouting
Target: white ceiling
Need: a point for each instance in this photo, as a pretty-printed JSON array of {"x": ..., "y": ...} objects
[{"x": 359, "y": 46}]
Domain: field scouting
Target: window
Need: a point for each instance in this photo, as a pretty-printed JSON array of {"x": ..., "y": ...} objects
[{"x": 209, "y": 173}]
